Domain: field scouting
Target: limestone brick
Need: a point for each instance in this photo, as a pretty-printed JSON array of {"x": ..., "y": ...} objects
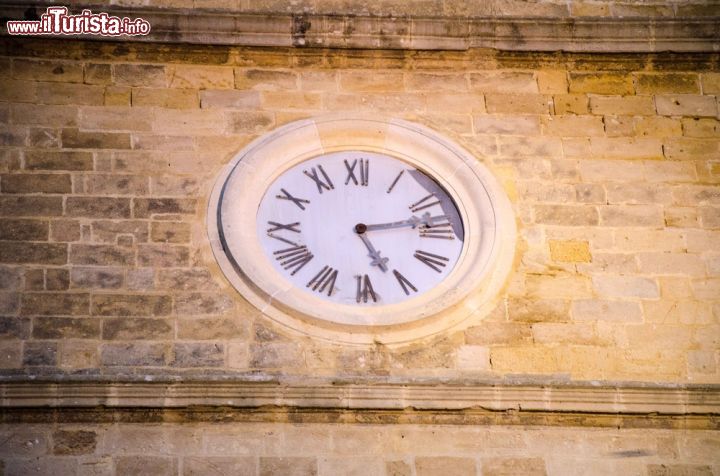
[
  {"x": 601, "y": 83},
  {"x": 570, "y": 251},
  {"x": 686, "y": 105}
]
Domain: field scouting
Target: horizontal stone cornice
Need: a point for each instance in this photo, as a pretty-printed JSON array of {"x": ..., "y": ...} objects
[
  {"x": 589, "y": 35},
  {"x": 565, "y": 398}
]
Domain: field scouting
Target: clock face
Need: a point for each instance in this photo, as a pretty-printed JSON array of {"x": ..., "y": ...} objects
[{"x": 359, "y": 228}]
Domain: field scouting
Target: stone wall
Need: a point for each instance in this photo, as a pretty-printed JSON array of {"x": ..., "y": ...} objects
[
  {"x": 368, "y": 450},
  {"x": 109, "y": 152}
]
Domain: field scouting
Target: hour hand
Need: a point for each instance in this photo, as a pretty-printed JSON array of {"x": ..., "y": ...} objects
[
  {"x": 377, "y": 260},
  {"x": 426, "y": 219}
]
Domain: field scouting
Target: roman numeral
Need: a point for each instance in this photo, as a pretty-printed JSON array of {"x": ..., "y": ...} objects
[
  {"x": 404, "y": 283},
  {"x": 279, "y": 226},
  {"x": 322, "y": 183},
  {"x": 293, "y": 258},
  {"x": 392, "y": 185},
  {"x": 364, "y": 172},
  {"x": 297, "y": 201},
  {"x": 431, "y": 260},
  {"x": 417, "y": 206},
  {"x": 364, "y": 289},
  {"x": 324, "y": 279},
  {"x": 441, "y": 230}
]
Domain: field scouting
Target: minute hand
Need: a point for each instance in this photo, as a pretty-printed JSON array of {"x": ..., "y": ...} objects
[{"x": 413, "y": 221}]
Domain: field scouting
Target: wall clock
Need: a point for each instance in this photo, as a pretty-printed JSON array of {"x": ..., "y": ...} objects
[{"x": 361, "y": 230}]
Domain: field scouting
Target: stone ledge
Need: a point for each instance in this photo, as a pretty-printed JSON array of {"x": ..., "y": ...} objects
[
  {"x": 687, "y": 401},
  {"x": 590, "y": 35}
]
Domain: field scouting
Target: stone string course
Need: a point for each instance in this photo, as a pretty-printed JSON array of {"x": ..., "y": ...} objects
[{"x": 108, "y": 154}]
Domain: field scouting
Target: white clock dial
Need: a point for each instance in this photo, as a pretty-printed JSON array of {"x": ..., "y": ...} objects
[{"x": 359, "y": 228}]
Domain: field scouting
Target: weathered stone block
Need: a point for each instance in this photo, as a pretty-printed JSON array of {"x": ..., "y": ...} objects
[
  {"x": 201, "y": 77},
  {"x": 230, "y": 99},
  {"x": 163, "y": 256},
  {"x": 295, "y": 466},
  {"x": 601, "y": 83},
  {"x": 65, "y": 328},
  {"x": 444, "y": 465},
  {"x": 518, "y": 103},
  {"x": 139, "y": 354},
  {"x": 98, "y": 207},
  {"x": 40, "y": 353},
  {"x": 79, "y": 354},
  {"x": 169, "y": 98},
  {"x": 39, "y": 253},
  {"x": 436, "y": 82},
  {"x": 73, "y": 94},
  {"x": 502, "y": 124},
  {"x": 75, "y": 139},
  {"x": 60, "y": 304},
  {"x": 570, "y": 251},
  {"x": 616, "y": 286},
  {"x": 36, "y": 183},
  {"x": 57, "y": 279},
  {"x": 537, "y": 310},
  {"x": 623, "y": 106},
  {"x": 47, "y": 70},
  {"x": 117, "y": 118},
  {"x": 700, "y": 127},
  {"x": 250, "y": 122},
  {"x": 58, "y": 160},
  {"x": 146, "y": 207},
  {"x": 567, "y": 215},
  {"x": 24, "y": 230},
  {"x": 170, "y": 232},
  {"x": 131, "y": 305},
  {"x": 211, "y": 328},
  {"x": 667, "y": 82},
  {"x": 97, "y": 73},
  {"x": 194, "y": 279},
  {"x": 74, "y": 442},
  {"x": 571, "y": 104},
  {"x": 197, "y": 354},
  {"x": 96, "y": 278},
  {"x": 14, "y": 328},
  {"x": 502, "y": 466},
  {"x": 146, "y": 465},
  {"x": 686, "y": 105},
  {"x": 204, "y": 465},
  {"x": 10, "y": 354},
  {"x": 108, "y": 230},
  {"x": 101, "y": 255},
  {"x": 64, "y": 230},
  {"x": 268, "y": 79},
  {"x": 692, "y": 149},
  {"x": 202, "y": 303},
  {"x": 137, "y": 329},
  {"x": 606, "y": 310},
  {"x": 139, "y": 75},
  {"x": 631, "y": 215}
]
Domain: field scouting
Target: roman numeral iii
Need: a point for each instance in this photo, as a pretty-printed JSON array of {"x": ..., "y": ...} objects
[{"x": 324, "y": 279}]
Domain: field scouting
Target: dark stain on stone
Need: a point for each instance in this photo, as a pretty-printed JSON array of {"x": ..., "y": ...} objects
[{"x": 300, "y": 26}]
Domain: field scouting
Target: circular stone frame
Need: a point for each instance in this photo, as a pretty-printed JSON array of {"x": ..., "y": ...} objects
[{"x": 469, "y": 289}]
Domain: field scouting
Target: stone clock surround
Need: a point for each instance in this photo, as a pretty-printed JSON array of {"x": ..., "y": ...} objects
[{"x": 469, "y": 290}]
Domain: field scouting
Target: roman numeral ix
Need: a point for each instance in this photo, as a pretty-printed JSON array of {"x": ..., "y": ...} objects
[
  {"x": 324, "y": 279},
  {"x": 431, "y": 260},
  {"x": 322, "y": 183},
  {"x": 293, "y": 258}
]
